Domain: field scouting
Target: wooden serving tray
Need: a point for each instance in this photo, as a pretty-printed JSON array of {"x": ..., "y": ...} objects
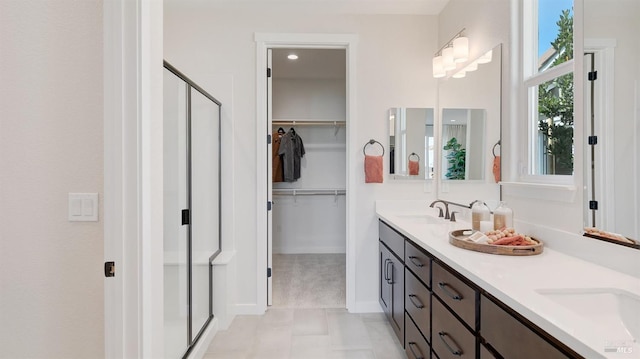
[{"x": 456, "y": 238}]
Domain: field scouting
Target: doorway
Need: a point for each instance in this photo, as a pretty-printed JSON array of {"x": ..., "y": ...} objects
[
  {"x": 306, "y": 231},
  {"x": 264, "y": 128}
]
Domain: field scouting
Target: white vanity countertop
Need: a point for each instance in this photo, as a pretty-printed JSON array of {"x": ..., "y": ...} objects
[{"x": 515, "y": 279}]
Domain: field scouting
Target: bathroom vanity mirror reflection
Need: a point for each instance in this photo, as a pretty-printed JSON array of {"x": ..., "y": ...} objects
[
  {"x": 463, "y": 143},
  {"x": 611, "y": 113},
  {"x": 470, "y": 115},
  {"x": 411, "y": 143}
]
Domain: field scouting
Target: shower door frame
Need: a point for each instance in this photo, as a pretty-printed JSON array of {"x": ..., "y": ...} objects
[{"x": 192, "y": 340}]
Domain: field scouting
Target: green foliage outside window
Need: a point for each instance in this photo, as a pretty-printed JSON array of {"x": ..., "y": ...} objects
[{"x": 555, "y": 105}]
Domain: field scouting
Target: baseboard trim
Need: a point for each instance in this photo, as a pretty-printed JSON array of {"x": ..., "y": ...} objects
[{"x": 367, "y": 307}]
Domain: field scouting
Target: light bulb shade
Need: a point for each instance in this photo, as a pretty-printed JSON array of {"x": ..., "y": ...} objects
[
  {"x": 471, "y": 67},
  {"x": 460, "y": 74},
  {"x": 447, "y": 59},
  {"x": 438, "y": 69},
  {"x": 461, "y": 49},
  {"x": 486, "y": 58}
]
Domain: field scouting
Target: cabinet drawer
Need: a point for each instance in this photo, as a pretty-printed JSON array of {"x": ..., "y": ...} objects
[
  {"x": 485, "y": 353},
  {"x": 458, "y": 295},
  {"x": 450, "y": 338},
  {"x": 417, "y": 302},
  {"x": 392, "y": 239},
  {"x": 416, "y": 346},
  {"x": 418, "y": 262},
  {"x": 511, "y": 338}
]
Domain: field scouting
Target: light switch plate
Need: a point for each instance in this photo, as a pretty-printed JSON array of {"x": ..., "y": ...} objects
[{"x": 83, "y": 207}]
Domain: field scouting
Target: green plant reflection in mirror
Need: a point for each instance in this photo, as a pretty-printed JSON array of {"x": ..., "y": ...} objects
[{"x": 464, "y": 143}]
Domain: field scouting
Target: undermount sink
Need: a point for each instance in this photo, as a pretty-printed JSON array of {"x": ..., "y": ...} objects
[
  {"x": 421, "y": 218},
  {"x": 614, "y": 310}
]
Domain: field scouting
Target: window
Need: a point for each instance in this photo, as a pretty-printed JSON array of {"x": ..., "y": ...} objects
[{"x": 548, "y": 80}]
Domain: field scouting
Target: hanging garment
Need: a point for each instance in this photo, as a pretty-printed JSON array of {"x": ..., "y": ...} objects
[
  {"x": 276, "y": 161},
  {"x": 292, "y": 150},
  {"x": 372, "y": 169}
]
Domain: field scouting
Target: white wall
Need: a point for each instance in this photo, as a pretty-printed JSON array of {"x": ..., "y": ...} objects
[
  {"x": 51, "y": 143},
  {"x": 310, "y": 99},
  {"x": 393, "y": 70}
]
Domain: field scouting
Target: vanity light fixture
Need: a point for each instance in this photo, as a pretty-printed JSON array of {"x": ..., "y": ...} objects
[
  {"x": 447, "y": 59},
  {"x": 292, "y": 57},
  {"x": 438, "y": 67},
  {"x": 453, "y": 52},
  {"x": 461, "y": 49}
]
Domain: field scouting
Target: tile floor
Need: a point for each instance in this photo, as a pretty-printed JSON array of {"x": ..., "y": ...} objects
[
  {"x": 307, "y": 319},
  {"x": 309, "y": 280}
]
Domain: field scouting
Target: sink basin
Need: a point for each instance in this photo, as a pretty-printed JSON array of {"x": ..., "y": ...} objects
[
  {"x": 616, "y": 311},
  {"x": 421, "y": 218}
]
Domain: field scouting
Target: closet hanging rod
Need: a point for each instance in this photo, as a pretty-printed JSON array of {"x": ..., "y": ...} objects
[{"x": 308, "y": 123}]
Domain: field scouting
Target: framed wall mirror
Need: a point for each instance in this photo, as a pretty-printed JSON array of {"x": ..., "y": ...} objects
[
  {"x": 612, "y": 112},
  {"x": 468, "y": 150},
  {"x": 411, "y": 143}
]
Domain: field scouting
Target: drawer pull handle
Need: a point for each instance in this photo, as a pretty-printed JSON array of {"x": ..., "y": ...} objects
[
  {"x": 411, "y": 345},
  {"x": 452, "y": 293},
  {"x": 386, "y": 269},
  {"x": 456, "y": 352},
  {"x": 413, "y": 301},
  {"x": 415, "y": 262}
]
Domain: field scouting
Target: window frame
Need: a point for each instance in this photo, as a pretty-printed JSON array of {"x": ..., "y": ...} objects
[{"x": 531, "y": 78}]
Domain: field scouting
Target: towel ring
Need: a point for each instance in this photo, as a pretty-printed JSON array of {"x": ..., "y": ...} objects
[
  {"x": 371, "y": 142},
  {"x": 493, "y": 150},
  {"x": 414, "y": 154}
]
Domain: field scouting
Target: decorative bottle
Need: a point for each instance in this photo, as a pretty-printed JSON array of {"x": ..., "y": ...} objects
[
  {"x": 502, "y": 216},
  {"x": 479, "y": 212}
]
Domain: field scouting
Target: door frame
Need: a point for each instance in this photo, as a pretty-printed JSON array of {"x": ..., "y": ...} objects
[
  {"x": 604, "y": 57},
  {"x": 348, "y": 42},
  {"x": 133, "y": 185}
]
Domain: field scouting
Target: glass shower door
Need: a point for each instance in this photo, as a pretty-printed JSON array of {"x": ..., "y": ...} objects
[
  {"x": 205, "y": 201},
  {"x": 176, "y": 276}
]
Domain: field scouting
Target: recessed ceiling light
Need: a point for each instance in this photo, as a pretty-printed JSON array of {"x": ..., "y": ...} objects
[{"x": 292, "y": 57}]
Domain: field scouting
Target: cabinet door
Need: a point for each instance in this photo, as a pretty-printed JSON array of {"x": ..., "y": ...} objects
[
  {"x": 511, "y": 338},
  {"x": 385, "y": 286},
  {"x": 396, "y": 271}
]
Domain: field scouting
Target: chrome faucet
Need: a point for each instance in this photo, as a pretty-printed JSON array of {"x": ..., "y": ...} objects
[{"x": 446, "y": 207}]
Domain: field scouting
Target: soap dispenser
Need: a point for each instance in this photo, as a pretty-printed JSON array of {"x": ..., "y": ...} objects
[
  {"x": 502, "y": 217},
  {"x": 479, "y": 212}
]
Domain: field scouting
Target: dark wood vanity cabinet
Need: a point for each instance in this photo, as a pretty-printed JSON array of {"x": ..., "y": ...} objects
[
  {"x": 511, "y": 338},
  {"x": 438, "y": 313},
  {"x": 392, "y": 277}
]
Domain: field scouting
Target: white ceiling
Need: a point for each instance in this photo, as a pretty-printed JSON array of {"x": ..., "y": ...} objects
[
  {"x": 423, "y": 7},
  {"x": 311, "y": 64}
]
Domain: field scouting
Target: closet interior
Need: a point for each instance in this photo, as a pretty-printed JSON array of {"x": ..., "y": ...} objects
[{"x": 309, "y": 178}]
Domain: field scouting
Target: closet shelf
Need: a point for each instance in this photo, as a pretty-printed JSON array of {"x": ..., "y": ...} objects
[
  {"x": 309, "y": 192},
  {"x": 325, "y": 146}
]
